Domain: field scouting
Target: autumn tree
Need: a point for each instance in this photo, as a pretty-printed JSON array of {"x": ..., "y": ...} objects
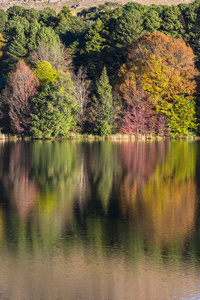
[
  {"x": 161, "y": 125},
  {"x": 22, "y": 87},
  {"x": 182, "y": 117},
  {"x": 164, "y": 68},
  {"x": 82, "y": 85},
  {"x": 138, "y": 116},
  {"x": 134, "y": 121},
  {"x": 45, "y": 73},
  {"x": 2, "y": 43},
  {"x": 56, "y": 54},
  {"x": 165, "y": 62}
]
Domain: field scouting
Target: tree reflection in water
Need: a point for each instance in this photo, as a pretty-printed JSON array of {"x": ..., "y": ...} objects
[
  {"x": 129, "y": 193},
  {"x": 99, "y": 220}
]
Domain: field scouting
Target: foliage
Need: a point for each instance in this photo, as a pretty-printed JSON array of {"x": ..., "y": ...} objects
[
  {"x": 63, "y": 19},
  {"x": 104, "y": 105},
  {"x": 3, "y": 19},
  {"x": 2, "y": 43},
  {"x": 56, "y": 54},
  {"x": 22, "y": 87},
  {"x": 45, "y": 73},
  {"x": 16, "y": 48},
  {"x": 95, "y": 38},
  {"x": 134, "y": 121},
  {"x": 152, "y": 20},
  {"x": 128, "y": 26},
  {"x": 64, "y": 14},
  {"x": 139, "y": 116},
  {"x": 15, "y": 11},
  {"x": 164, "y": 68},
  {"x": 48, "y": 17},
  {"x": 182, "y": 118},
  {"x": 66, "y": 92},
  {"x": 124, "y": 39},
  {"x": 155, "y": 53},
  {"x": 50, "y": 117},
  {"x": 24, "y": 36},
  {"x": 170, "y": 21}
]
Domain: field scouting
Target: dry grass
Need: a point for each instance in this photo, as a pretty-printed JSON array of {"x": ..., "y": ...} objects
[{"x": 84, "y": 3}]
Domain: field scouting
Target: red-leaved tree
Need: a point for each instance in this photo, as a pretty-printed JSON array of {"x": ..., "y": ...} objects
[
  {"x": 134, "y": 121},
  {"x": 22, "y": 87},
  {"x": 161, "y": 127}
]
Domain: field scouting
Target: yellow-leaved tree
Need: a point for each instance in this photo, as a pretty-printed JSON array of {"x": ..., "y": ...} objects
[
  {"x": 2, "y": 43},
  {"x": 164, "y": 68}
]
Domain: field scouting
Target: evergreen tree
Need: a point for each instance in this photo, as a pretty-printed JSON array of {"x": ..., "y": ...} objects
[
  {"x": 170, "y": 21},
  {"x": 63, "y": 20},
  {"x": 47, "y": 35},
  {"x": 128, "y": 27},
  {"x": 15, "y": 11},
  {"x": 152, "y": 20},
  {"x": 48, "y": 17},
  {"x": 16, "y": 49},
  {"x": 22, "y": 38},
  {"x": 3, "y": 19},
  {"x": 50, "y": 117},
  {"x": 104, "y": 105}
]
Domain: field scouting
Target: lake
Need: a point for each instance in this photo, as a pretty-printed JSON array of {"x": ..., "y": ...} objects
[{"x": 100, "y": 220}]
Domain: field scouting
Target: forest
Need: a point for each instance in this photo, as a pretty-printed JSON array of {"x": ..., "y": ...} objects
[{"x": 111, "y": 69}]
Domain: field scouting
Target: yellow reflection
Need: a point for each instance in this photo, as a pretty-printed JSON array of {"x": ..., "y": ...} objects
[{"x": 163, "y": 201}]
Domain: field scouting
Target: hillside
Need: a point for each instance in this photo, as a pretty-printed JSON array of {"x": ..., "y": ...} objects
[{"x": 57, "y": 4}]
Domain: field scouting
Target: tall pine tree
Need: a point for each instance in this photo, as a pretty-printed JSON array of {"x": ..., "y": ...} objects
[{"x": 104, "y": 105}]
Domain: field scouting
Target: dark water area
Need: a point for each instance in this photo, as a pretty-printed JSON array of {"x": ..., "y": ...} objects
[{"x": 100, "y": 220}]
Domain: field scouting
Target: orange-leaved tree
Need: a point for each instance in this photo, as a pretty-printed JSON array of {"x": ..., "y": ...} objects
[
  {"x": 164, "y": 68},
  {"x": 165, "y": 62}
]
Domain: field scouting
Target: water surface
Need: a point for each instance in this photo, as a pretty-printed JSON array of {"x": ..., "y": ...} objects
[{"x": 99, "y": 220}]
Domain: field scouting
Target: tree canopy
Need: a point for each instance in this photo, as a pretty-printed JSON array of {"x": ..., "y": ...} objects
[{"x": 142, "y": 66}]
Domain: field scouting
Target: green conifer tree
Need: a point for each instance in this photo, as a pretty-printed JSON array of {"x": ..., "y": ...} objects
[
  {"x": 3, "y": 19},
  {"x": 17, "y": 48},
  {"x": 128, "y": 27},
  {"x": 50, "y": 117},
  {"x": 104, "y": 105}
]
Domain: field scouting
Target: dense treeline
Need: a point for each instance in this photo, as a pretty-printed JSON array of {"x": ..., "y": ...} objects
[{"x": 110, "y": 69}]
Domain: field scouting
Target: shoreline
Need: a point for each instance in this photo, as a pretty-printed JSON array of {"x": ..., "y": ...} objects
[{"x": 90, "y": 137}]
